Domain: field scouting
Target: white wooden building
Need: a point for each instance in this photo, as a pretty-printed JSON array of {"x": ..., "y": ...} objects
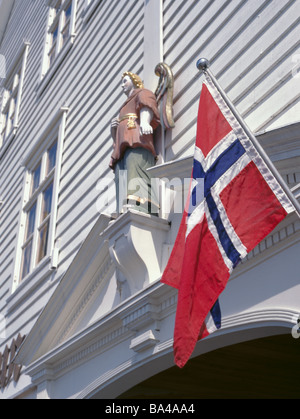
[{"x": 83, "y": 311}]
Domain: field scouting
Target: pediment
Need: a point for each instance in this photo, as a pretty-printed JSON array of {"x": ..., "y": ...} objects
[
  {"x": 86, "y": 281},
  {"x": 109, "y": 267}
]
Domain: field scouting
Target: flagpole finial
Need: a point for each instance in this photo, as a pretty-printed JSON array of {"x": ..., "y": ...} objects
[{"x": 202, "y": 64}]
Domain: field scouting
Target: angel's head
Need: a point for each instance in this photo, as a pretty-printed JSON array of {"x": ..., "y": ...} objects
[{"x": 131, "y": 78}]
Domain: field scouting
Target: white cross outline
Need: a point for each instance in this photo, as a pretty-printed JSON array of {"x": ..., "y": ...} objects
[{"x": 197, "y": 215}]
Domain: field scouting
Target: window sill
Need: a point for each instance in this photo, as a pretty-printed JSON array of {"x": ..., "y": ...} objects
[
  {"x": 58, "y": 60},
  {"x": 32, "y": 281},
  {"x": 8, "y": 141}
]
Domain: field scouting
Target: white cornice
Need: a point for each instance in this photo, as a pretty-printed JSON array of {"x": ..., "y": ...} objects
[
  {"x": 237, "y": 328},
  {"x": 147, "y": 307},
  {"x": 110, "y": 330},
  {"x": 60, "y": 349}
]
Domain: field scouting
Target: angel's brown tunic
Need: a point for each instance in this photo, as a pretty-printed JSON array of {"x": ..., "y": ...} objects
[{"x": 131, "y": 138}]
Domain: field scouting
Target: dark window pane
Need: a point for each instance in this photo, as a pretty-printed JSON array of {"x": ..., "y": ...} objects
[
  {"x": 52, "y": 49},
  {"x": 68, "y": 12},
  {"x": 54, "y": 35},
  {"x": 66, "y": 25},
  {"x": 30, "y": 222},
  {"x": 12, "y": 111},
  {"x": 43, "y": 240},
  {"x": 65, "y": 34},
  {"x": 4, "y": 123},
  {"x": 47, "y": 201},
  {"x": 51, "y": 57},
  {"x": 36, "y": 178},
  {"x": 26, "y": 259},
  {"x": 51, "y": 158}
]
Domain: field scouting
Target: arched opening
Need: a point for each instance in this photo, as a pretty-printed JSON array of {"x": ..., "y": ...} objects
[{"x": 261, "y": 368}]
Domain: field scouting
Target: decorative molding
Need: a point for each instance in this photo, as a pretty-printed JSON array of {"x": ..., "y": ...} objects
[
  {"x": 86, "y": 298},
  {"x": 275, "y": 242},
  {"x": 136, "y": 314},
  {"x": 268, "y": 315},
  {"x": 296, "y": 190},
  {"x": 89, "y": 351},
  {"x": 83, "y": 347},
  {"x": 141, "y": 316},
  {"x": 109, "y": 330},
  {"x": 239, "y": 329},
  {"x": 146, "y": 310},
  {"x": 54, "y": 365},
  {"x": 125, "y": 366},
  {"x": 144, "y": 341}
]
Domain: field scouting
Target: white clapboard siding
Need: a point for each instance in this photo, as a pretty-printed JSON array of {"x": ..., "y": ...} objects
[
  {"x": 12, "y": 173},
  {"x": 250, "y": 46},
  {"x": 88, "y": 82}
]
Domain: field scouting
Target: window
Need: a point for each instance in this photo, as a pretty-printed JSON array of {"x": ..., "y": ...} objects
[
  {"x": 59, "y": 30},
  {"x": 11, "y": 98},
  {"x": 38, "y": 217},
  {"x": 38, "y": 211},
  {"x": 60, "y": 34}
]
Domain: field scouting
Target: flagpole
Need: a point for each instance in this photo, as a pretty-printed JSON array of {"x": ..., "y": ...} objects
[{"x": 203, "y": 65}]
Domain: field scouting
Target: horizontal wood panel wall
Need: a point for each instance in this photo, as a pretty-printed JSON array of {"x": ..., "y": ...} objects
[{"x": 252, "y": 46}]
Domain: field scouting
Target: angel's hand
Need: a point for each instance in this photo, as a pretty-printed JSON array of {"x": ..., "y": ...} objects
[{"x": 146, "y": 116}]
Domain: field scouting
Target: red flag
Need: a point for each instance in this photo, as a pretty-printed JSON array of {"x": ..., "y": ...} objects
[{"x": 240, "y": 204}]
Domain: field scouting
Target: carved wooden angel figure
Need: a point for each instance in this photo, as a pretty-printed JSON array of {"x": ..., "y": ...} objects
[{"x": 133, "y": 145}]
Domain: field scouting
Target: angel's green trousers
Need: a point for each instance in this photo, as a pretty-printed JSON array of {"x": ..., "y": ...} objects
[{"x": 135, "y": 187}]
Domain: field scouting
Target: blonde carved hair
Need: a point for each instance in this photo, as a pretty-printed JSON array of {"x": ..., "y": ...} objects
[{"x": 136, "y": 80}]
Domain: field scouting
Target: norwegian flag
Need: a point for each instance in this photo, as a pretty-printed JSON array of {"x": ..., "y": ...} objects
[{"x": 234, "y": 202}]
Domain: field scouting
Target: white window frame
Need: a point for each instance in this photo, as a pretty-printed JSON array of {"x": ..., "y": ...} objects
[
  {"x": 89, "y": 8},
  {"x": 56, "y": 20},
  {"x": 11, "y": 98},
  {"x": 38, "y": 153}
]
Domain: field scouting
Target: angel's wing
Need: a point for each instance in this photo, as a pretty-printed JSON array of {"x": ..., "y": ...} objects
[{"x": 164, "y": 94}]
